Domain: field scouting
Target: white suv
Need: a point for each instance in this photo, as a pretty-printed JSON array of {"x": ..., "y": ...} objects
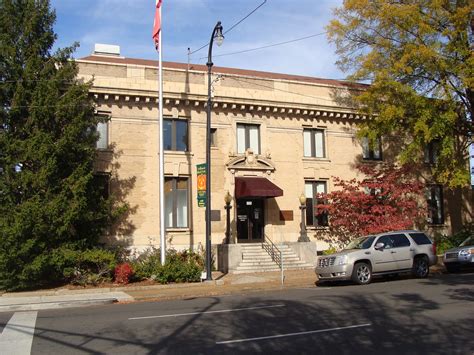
[{"x": 380, "y": 254}]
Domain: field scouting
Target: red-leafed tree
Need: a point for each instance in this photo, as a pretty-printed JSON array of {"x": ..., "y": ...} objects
[{"x": 387, "y": 198}]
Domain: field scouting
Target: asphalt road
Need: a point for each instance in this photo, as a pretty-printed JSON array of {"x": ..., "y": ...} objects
[{"x": 402, "y": 316}]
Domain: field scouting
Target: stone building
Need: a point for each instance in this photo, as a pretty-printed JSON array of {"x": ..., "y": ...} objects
[{"x": 274, "y": 138}]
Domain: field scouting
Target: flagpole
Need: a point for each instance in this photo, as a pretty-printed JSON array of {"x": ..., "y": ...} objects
[{"x": 161, "y": 152}]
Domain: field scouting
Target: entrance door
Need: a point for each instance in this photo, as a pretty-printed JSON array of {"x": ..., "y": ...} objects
[{"x": 250, "y": 221}]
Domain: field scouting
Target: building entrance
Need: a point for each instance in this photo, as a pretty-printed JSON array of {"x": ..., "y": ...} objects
[{"x": 250, "y": 220}]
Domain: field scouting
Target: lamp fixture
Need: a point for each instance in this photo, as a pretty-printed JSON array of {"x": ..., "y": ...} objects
[
  {"x": 228, "y": 198},
  {"x": 303, "y": 199}
]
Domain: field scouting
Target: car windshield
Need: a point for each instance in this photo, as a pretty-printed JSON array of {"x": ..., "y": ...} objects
[
  {"x": 361, "y": 243},
  {"x": 468, "y": 241}
]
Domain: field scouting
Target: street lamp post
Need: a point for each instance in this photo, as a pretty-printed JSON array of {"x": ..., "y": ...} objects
[
  {"x": 303, "y": 235},
  {"x": 217, "y": 34},
  {"x": 227, "y": 200}
]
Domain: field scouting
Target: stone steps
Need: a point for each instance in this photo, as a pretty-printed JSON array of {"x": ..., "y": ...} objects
[
  {"x": 257, "y": 259},
  {"x": 246, "y": 270}
]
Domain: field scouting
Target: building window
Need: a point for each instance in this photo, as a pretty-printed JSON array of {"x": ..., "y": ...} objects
[
  {"x": 248, "y": 136},
  {"x": 175, "y": 135},
  {"x": 102, "y": 184},
  {"x": 431, "y": 152},
  {"x": 371, "y": 151},
  {"x": 176, "y": 202},
  {"x": 372, "y": 191},
  {"x": 434, "y": 199},
  {"x": 213, "y": 137},
  {"x": 315, "y": 191},
  {"x": 313, "y": 141},
  {"x": 103, "y": 131}
]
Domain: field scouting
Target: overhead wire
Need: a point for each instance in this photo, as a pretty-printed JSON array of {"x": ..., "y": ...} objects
[
  {"x": 269, "y": 45},
  {"x": 232, "y": 27}
]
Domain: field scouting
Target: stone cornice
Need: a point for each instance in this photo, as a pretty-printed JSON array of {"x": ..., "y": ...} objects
[{"x": 199, "y": 102}]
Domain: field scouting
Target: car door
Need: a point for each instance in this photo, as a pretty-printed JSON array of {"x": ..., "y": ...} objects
[
  {"x": 403, "y": 251},
  {"x": 383, "y": 258}
]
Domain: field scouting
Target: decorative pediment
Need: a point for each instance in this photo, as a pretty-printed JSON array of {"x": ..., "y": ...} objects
[{"x": 251, "y": 161}]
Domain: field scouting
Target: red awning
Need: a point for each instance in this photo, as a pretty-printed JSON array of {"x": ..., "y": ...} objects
[{"x": 256, "y": 187}]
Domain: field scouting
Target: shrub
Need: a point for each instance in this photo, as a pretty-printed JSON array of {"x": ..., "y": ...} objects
[
  {"x": 84, "y": 267},
  {"x": 146, "y": 263},
  {"x": 445, "y": 242},
  {"x": 180, "y": 266},
  {"x": 330, "y": 250},
  {"x": 123, "y": 273}
]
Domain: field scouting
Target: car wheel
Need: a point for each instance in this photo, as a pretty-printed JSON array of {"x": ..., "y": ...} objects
[
  {"x": 452, "y": 268},
  {"x": 421, "y": 267},
  {"x": 362, "y": 273}
]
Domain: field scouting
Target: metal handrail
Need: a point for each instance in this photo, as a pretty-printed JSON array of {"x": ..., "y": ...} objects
[
  {"x": 272, "y": 250},
  {"x": 274, "y": 253}
]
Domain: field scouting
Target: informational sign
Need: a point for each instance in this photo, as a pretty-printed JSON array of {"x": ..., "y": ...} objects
[{"x": 201, "y": 184}]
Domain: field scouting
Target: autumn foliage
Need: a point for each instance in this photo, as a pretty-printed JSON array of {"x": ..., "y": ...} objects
[
  {"x": 123, "y": 273},
  {"x": 387, "y": 198}
]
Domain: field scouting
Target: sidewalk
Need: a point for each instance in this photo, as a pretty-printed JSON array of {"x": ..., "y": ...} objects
[{"x": 222, "y": 284}]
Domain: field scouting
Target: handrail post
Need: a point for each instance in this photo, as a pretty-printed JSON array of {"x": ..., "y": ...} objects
[{"x": 281, "y": 263}]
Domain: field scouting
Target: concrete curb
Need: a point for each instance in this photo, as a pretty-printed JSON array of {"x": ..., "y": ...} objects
[
  {"x": 40, "y": 302},
  {"x": 229, "y": 289},
  {"x": 56, "y": 304},
  {"x": 103, "y": 290}
]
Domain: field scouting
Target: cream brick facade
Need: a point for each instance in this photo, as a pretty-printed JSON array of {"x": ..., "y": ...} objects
[{"x": 281, "y": 105}]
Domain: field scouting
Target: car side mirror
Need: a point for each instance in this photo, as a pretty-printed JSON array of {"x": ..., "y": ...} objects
[{"x": 379, "y": 246}]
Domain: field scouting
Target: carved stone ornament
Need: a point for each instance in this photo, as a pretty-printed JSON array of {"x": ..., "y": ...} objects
[
  {"x": 250, "y": 161},
  {"x": 250, "y": 158}
]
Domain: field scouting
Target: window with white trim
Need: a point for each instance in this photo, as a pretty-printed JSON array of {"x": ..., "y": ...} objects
[
  {"x": 434, "y": 199},
  {"x": 314, "y": 192},
  {"x": 175, "y": 134},
  {"x": 176, "y": 202},
  {"x": 432, "y": 152},
  {"x": 103, "y": 132},
  {"x": 248, "y": 136},
  {"x": 371, "y": 151},
  {"x": 313, "y": 143}
]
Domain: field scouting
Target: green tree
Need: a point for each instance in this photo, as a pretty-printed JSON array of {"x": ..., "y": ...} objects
[
  {"x": 417, "y": 55},
  {"x": 49, "y": 197}
]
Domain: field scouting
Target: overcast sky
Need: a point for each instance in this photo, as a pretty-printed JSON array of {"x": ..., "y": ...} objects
[{"x": 189, "y": 23}]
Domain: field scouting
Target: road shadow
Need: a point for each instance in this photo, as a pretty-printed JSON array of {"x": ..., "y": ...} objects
[{"x": 356, "y": 322}]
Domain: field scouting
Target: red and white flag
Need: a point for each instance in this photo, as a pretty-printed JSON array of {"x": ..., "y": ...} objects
[{"x": 157, "y": 24}]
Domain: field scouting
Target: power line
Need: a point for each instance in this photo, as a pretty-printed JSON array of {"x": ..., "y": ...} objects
[
  {"x": 259, "y": 6},
  {"x": 270, "y": 45},
  {"x": 232, "y": 27}
]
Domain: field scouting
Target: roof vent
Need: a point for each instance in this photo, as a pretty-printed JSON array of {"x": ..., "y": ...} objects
[{"x": 107, "y": 49}]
